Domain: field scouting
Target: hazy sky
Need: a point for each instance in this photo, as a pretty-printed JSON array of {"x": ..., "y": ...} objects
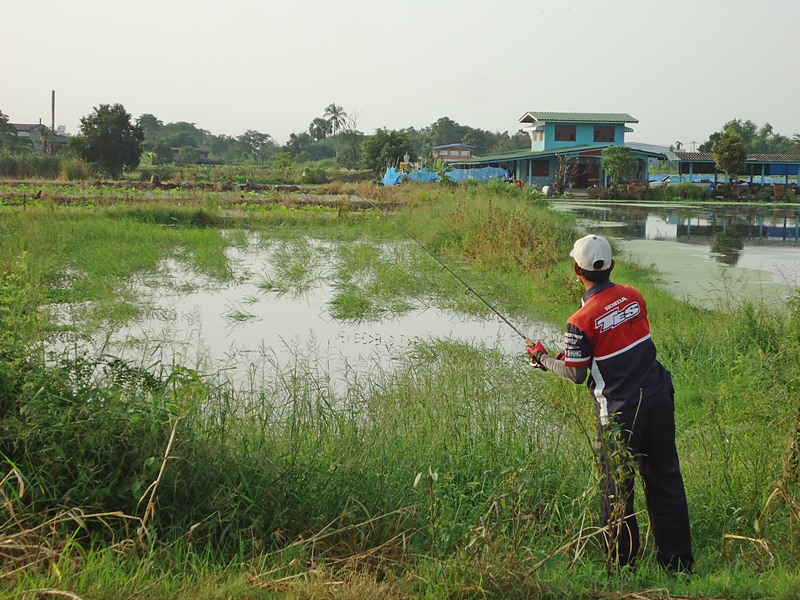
[{"x": 681, "y": 67}]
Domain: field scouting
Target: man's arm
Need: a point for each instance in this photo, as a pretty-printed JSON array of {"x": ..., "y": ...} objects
[{"x": 557, "y": 366}]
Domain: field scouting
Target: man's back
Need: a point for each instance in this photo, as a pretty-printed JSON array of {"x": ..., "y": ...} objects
[{"x": 610, "y": 335}]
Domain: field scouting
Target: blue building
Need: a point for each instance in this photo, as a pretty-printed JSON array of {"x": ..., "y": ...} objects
[{"x": 568, "y": 145}]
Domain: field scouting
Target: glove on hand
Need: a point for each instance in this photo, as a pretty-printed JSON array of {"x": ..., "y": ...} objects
[{"x": 536, "y": 352}]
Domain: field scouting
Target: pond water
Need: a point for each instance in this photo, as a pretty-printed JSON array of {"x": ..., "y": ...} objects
[
  {"x": 709, "y": 254},
  {"x": 245, "y": 330}
]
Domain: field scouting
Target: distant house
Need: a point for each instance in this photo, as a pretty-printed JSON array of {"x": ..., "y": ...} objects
[
  {"x": 577, "y": 139},
  {"x": 26, "y": 130},
  {"x": 33, "y": 132},
  {"x": 202, "y": 155},
  {"x": 453, "y": 152}
]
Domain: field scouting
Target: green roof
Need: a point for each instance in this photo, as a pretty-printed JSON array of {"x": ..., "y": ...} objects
[{"x": 569, "y": 117}]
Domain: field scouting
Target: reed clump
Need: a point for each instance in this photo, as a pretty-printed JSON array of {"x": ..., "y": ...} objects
[
  {"x": 29, "y": 166},
  {"x": 74, "y": 169}
]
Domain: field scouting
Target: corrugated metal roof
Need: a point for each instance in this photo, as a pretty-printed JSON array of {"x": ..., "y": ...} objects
[
  {"x": 774, "y": 158},
  {"x": 20, "y": 127},
  {"x": 453, "y": 146},
  {"x": 534, "y": 154},
  {"x": 694, "y": 156},
  {"x": 571, "y": 117},
  {"x": 519, "y": 154},
  {"x": 751, "y": 158}
]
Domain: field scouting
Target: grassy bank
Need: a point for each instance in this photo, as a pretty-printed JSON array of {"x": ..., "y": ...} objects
[{"x": 458, "y": 473}]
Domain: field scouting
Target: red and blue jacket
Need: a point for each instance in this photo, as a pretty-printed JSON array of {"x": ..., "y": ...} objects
[{"x": 610, "y": 336}]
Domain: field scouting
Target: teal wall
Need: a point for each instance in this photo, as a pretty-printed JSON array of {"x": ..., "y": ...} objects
[{"x": 584, "y": 136}]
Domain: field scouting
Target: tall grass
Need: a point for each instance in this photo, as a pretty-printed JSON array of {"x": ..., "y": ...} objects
[
  {"x": 458, "y": 473},
  {"x": 22, "y": 166},
  {"x": 74, "y": 169}
]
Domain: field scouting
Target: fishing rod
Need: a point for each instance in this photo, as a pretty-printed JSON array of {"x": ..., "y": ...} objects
[{"x": 444, "y": 266}]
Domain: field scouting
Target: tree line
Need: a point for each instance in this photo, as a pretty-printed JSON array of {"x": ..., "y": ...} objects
[
  {"x": 112, "y": 141},
  {"x": 334, "y": 135},
  {"x": 755, "y": 139}
]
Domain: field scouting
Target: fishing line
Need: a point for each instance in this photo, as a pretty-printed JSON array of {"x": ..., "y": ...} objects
[{"x": 442, "y": 264}]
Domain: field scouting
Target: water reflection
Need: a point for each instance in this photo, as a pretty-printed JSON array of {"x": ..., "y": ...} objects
[
  {"x": 267, "y": 317},
  {"x": 726, "y": 229},
  {"x": 726, "y": 246},
  {"x": 757, "y": 245}
]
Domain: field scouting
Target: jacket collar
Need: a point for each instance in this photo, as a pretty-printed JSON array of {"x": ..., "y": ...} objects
[{"x": 596, "y": 289}]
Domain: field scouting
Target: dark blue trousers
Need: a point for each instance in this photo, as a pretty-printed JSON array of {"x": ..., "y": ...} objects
[{"x": 648, "y": 431}]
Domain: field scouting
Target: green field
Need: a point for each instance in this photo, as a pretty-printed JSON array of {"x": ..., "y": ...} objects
[{"x": 459, "y": 473}]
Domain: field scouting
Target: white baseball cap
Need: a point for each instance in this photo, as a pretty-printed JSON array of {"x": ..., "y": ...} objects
[{"x": 592, "y": 253}]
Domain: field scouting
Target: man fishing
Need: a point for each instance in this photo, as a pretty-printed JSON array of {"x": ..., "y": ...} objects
[{"x": 608, "y": 337}]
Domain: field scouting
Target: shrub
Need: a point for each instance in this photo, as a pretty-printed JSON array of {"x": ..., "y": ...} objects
[
  {"x": 636, "y": 189},
  {"x": 500, "y": 187},
  {"x": 764, "y": 194},
  {"x": 655, "y": 193},
  {"x": 164, "y": 173},
  {"x": 689, "y": 191},
  {"x": 315, "y": 175},
  {"x": 597, "y": 192},
  {"x": 74, "y": 168}
]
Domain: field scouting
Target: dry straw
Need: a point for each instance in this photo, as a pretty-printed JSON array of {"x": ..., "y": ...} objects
[{"x": 25, "y": 545}]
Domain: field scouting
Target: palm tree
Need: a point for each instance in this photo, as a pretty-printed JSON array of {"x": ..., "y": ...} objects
[{"x": 336, "y": 116}]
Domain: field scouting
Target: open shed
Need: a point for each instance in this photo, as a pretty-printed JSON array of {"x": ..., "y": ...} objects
[{"x": 757, "y": 166}]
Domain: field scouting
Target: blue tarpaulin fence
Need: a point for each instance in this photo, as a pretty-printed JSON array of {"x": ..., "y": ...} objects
[
  {"x": 422, "y": 176},
  {"x": 425, "y": 175},
  {"x": 484, "y": 174},
  {"x": 393, "y": 176}
]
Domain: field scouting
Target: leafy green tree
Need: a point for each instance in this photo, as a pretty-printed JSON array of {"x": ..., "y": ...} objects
[
  {"x": 252, "y": 141},
  {"x": 6, "y": 129},
  {"x": 384, "y": 148},
  {"x": 222, "y": 146},
  {"x": 151, "y": 127},
  {"x": 442, "y": 168},
  {"x": 162, "y": 152},
  {"x": 319, "y": 129},
  {"x": 283, "y": 162},
  {"x": 188, "y": 155},
  {"x": 506, "y": 142},
  {"x": 619, "y": 163},
  {"x": 298, "y": 142},
  {"x": 756, "y": 139},
  {"x": 730, "y": 154},
  {"x": 348, "y": 144},
  {"x": 9, "y": 141},
  {"x": 109, "y": 140},
  {"x": 336, "y": 116},
  {"x": 446, "y": 131},
  {"x": 183, "y": 134}
]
